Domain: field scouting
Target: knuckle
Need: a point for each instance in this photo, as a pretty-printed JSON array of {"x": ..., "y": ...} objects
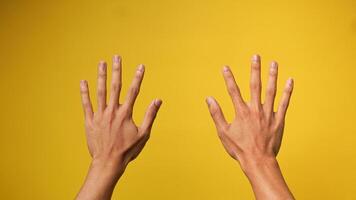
[
  {"x": 220, "y": 134},
  {"x": 101, "y": 92},
  {"x": 138, "y": 75},
  {"x": 88, "y": 125},
  {"x": 84, "y": 90},
  {"x": 86, "y": 104},
  {"x": 257, "y": 114},
  {"x": 284, "y": 105},
  {"x": 232, "y": 89},
  {"x": 102, "y": 75},
  {"x": 135, "y": 90},
  {"x": 228, "y": 75},
  {"x": 288, "y": 90},
  {"x": 255, "y": 66},
  {"x": 243, "y": 111},
  {"x": 116, "y": 67},
  {"x": 273, "y": 73},
  {"x": 116, "y": 86},
  {"x": 109, "y": 112},
  {"x": 213, "y": 111},
  {"x": 213, "y": 114},
  {"x": 255, "y": 85},
  {"x": 125, "y": 110},
  {"x": 271, "y": 91},
  {"x": 223, "y": 130}
]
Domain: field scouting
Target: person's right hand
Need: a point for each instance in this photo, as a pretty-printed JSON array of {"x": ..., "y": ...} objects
[{"x": 255, "y": 135}]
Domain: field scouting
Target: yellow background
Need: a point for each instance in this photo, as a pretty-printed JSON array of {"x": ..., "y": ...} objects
[{"x": 46, "y": 47}]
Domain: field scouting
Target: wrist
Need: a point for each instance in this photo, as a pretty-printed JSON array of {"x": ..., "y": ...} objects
[
  {"x": 266, "y": 178},
  {"x": 101, "y": 179},
  {"x": 252, "y": 164},
  {"x": 108, "y": 167}
]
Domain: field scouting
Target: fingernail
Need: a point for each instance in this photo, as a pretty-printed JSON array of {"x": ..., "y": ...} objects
[
  {"x": 158, "y": 102},
  {"x": 226, "y": 68},
  {"x": 102, "y": 66},
  {"x": 273, "y": 68},
  {"x": 255, "y": 58},
  {"x": 83, "y": 84},
  {"x": 141, "y": 68},
  {"x": 290, "y": 82},
  {"x": 209, "y": 100},
  {"x": 274, "y": 65},
  {"x": 116, "y": 58}
]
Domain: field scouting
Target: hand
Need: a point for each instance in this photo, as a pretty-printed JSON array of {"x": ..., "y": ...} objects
[
  {"x": 113, "y": 138},
  {"x": 254, "y": 137}
]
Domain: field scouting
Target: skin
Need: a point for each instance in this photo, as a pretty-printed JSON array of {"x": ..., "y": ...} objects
[
  {"x": 113, "y": 138},
  {"x": 254, "y": 137}
]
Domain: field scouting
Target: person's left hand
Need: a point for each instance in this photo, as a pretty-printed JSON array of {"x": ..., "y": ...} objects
[{"x": 112, "y": 136}]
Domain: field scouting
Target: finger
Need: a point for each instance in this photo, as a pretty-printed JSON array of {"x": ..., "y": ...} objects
[
  {"x": 216, "y": 114},
  {"x": 271, "y": 88},
  {"x": 101, "y": 91},
  {"x": 150, "y": 116},
  {"x": 134, "y": 88},
  {"x": 115, "y": 82},
  {"x": 87, "y": 107},
  {"x": 232, "y": 88},
  {"x": 283, "y": 105},
  {"x": 255, "y": 82}
]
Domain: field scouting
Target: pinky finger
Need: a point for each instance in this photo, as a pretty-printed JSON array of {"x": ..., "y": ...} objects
[
  {"x": 216, "y": 114},
  {"x": 87, "y": 107},
  {"x": 283, "y": 105},
  {"x": 150, "y": 116}
]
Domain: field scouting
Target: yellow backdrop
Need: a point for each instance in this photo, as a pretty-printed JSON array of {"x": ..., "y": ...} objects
[{"x": 46, "y": 47}]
